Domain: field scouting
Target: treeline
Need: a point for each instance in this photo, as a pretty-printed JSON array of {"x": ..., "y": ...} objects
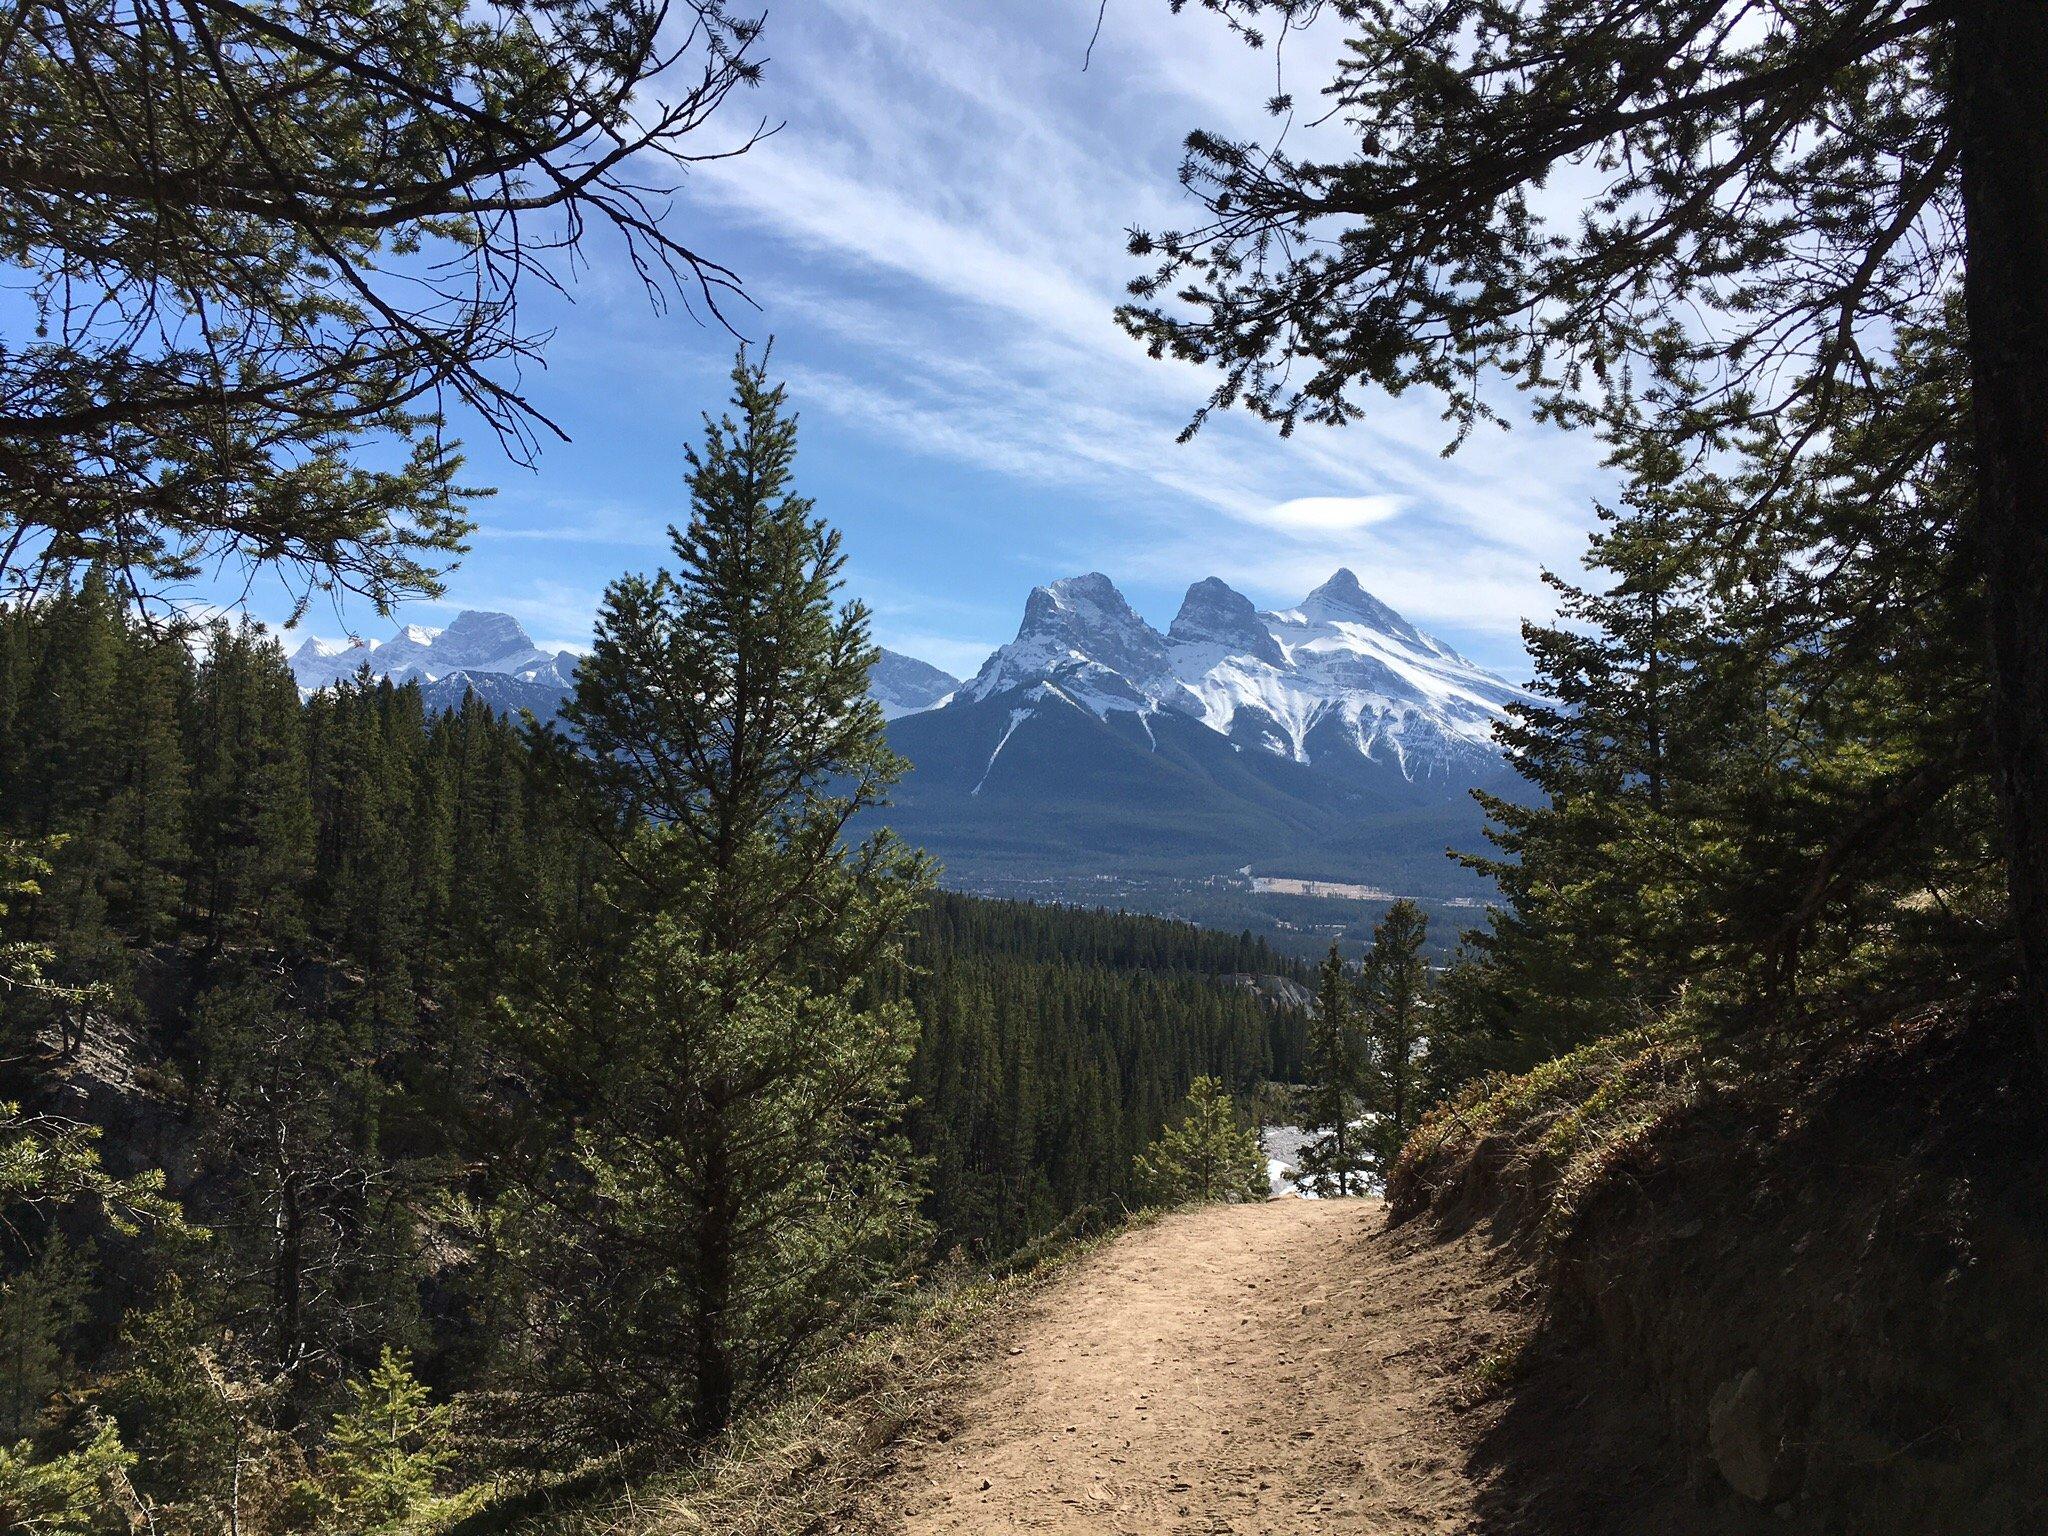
[
  {"x": 1055, "y": 1044},
  {"x": 1768, "y": 786},
  {"x": 362, "y": 1053},
  {"x": 1031, "y": 931},
  {"x": 1768, "y": 807}
]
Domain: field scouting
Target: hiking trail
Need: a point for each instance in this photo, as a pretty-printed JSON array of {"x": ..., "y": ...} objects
[{"x": 1268, "y": 1370}]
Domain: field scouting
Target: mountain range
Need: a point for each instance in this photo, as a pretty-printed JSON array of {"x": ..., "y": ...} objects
[
  {"x": 487, "y": 654},
  {"x": 1329, "y": 740},
  {"x": 492, "y": 656}
]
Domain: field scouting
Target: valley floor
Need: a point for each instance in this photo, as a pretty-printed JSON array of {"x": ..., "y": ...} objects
[{"x": 1280, "y": 1368}]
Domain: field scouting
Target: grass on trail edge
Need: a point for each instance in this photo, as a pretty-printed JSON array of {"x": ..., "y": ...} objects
[
  {"x": 1540, "y": 1142},
  {"x": 806, "y": 1460}
]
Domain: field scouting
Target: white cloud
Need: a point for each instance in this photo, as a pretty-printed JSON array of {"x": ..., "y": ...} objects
[
  {"x": 956, "y": 192},
  {"x": 937, "y": 238},
  {"x": 1331, "y": 514}
]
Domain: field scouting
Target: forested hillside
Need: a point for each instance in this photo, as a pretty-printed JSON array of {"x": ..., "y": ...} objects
[
  {"x": 425, "y": 1122},
  {"x": 1056, "y": 1042},
  {"x": 277, "y": 936}
]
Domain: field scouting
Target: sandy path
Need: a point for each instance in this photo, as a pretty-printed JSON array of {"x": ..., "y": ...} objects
[{"x": 1272, "y": 1368}]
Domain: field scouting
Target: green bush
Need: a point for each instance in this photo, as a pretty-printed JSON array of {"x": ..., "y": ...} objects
[{"x": 1212, "y": 1154}]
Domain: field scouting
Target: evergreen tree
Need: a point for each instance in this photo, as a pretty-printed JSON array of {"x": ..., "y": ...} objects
[
  {"x": 737, "y": 1189},
  {"x": 41, "y": 1304},
  {"x": 50, "y": 1169},
  {"x": 314, "y": 1222},
  {"x": 293, "y": 917},
  {"x": 250, "y": 814},
  {"x": 1397, "y": 1003},
  {"x": 321, "y": 231},
  {"x": 1211, "y": 1154},
  {"x": 1814, "y": 836},
  {"x": 1874, "y": 172},
  {"x": 73, "y": 1493},
  {"x": 386, "y": 1450},
  {"x": 1333, "y": 1159}
]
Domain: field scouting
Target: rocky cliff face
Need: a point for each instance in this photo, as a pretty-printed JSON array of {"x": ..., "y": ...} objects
[{"x": 1339, "y": 675}]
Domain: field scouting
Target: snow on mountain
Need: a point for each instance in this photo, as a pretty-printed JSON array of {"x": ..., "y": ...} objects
[
  {"x": 1214, "y": 613},
  {"x": 484, "y": 642},
  {"x": 490, "y": 655},
  {"x": 1083, "y": 640},
  {"x": 903, "y": 685},
  {"x": 1340, "y": 676},
  {"x": 475, "y": 642},
  {"x": 318, "y": 663}
]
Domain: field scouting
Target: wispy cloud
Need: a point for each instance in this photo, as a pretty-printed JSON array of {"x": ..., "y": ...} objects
[
  {"x": 1331, "y": 514},
  {"x": 618, "y": 525},
  {"x": 937, "y": 242},
  {"x": 958, "y": 192}
]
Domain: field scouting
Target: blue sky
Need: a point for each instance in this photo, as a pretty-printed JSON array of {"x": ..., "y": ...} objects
[{"x": 935, "y": 239}]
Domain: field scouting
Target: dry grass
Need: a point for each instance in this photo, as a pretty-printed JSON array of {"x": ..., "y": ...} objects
[{"x": 1549, "y": 1136}]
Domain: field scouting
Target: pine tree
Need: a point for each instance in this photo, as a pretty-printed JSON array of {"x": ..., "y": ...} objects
[
  {"x": 308, "y": 1215},
  {"x": 1211, "y": 1154},
  {"x": 386, "y": 1450},
  {"x": 1334, "y": 1157},
  {"x": 1838, "y": 144},
  {"x": 1612, "y": 751},
  {"x": 1396, "y": 993},
  {"x": 1766, "y": 780},
  {"x": 41, "y": 1304},
  {"x": 740, "y": 1189},
  {"x": 73, "y": 1493},
  {"x": 250, "y": 812}
]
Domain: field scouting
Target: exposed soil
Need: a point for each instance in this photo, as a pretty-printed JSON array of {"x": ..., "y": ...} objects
[
  {"x": 1809, "y": 1304},
  {"x": 1283, "y": 1368}
]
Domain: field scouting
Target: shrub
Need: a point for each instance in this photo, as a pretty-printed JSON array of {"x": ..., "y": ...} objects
[{"x": 1212, "y": 1154}]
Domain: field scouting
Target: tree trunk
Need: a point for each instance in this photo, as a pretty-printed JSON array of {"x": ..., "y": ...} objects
[
  {"x": 287, "y": 1281},
  {"x": 2002, "y": 127},
  {"x": 711, "y": 1346}
]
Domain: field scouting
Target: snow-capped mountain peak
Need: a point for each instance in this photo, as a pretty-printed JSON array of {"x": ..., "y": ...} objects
[
  {"x": 485, "y": 642},
  {"x": 492, "y": 656},
  {"x": 1341, "y": 600},
  {"x": 1214, "y": 613},
  {"x": 1339, "y": 676},
  {"x": 476, "y": 645},
  {"x": 1089, "y": 616},
  {"x": 318, "y": 663},
  {"x": 903, "y": 685},
  {"x": 1332, "y": 739},
  {"x": 1080, "y": 636}
]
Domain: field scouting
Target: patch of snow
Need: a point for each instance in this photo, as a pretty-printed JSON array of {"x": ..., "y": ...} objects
[{"x": 1017, "y": 718}]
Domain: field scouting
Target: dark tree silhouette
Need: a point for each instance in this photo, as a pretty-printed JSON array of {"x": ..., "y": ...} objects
[
  {"x": 257, "y": 244},
  {"x": 1782, "y": 187}
]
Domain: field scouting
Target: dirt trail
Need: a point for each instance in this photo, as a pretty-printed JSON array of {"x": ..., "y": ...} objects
[{"x": 1276, "y": 1368}]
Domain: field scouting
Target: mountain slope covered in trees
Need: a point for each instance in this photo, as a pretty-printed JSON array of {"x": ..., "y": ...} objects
[{"x": 275, "y": 931}]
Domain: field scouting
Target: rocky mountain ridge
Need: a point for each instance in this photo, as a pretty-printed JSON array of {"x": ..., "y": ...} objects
[
  {"x": 1339, "y": 674},
  {"x": 1331, "y": 739}
]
